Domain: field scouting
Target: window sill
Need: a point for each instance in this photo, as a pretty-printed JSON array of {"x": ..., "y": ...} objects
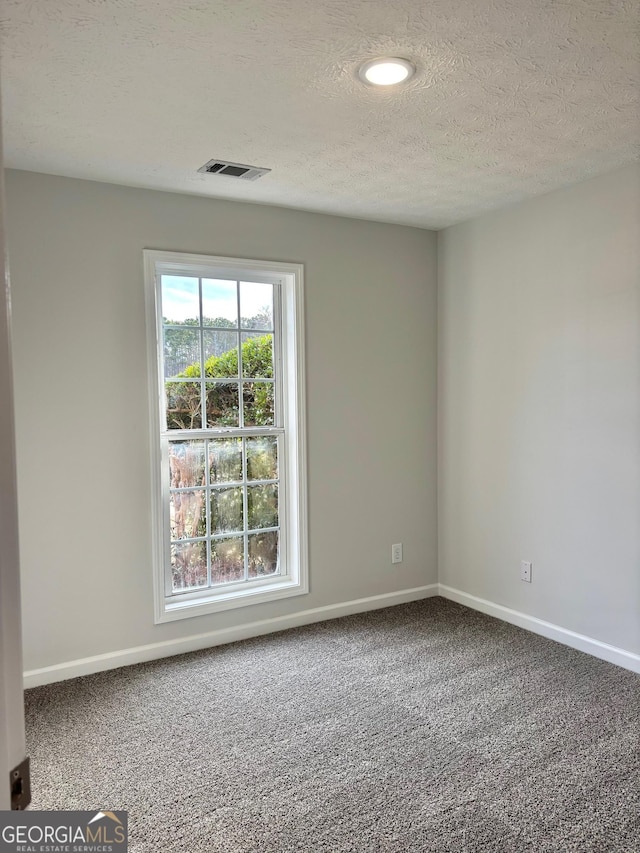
[{"x": 171, "y": 609}]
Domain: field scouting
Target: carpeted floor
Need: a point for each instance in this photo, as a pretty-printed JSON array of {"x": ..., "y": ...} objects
[{"x": 424, "y": 727}]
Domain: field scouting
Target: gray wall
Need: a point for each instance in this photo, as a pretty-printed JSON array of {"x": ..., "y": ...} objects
[
  {"x": 81, "y": 401},
  {"x": 539, "y": 407}
]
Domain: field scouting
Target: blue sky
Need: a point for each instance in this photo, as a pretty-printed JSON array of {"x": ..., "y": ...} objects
[{"x": 180, "y": 298}]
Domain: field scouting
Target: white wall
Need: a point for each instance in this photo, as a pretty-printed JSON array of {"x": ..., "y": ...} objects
[
  {"x": 81, "y": 403},
  {"x": 539, "y": 407}
]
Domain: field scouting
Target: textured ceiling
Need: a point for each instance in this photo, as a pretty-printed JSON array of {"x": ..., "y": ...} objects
[{"x": 512, "y": 98}]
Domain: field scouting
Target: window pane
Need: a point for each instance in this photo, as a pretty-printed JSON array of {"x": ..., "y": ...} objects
[
  {"x": 262, "y": 458},
  {"x": 222, "y": 404},
  {"x": 256, "y": 305},
  {"x": 187, "y": 514},
  {"x": 188, "y": 565},
  {"x": 262, "y": 506},
  {"x": 257, "y": 355},
  {"x": 226, "y": 510},
  {"x": 220, "y": 353},
  {"x": 225, "y": 460},
  {"x": 181, "y": 351},
  {"x": 263, "y": 554},
  {"x": 227, "y": 560},
  {"x": 221, "y": 345},
  {"x": 183, "y": 405},
  {"x": 186, "y": 464},
  {"x": 180, "y": 300},
  {"x": 258, "y": 403},
  {"x": 219, "y": 303}
]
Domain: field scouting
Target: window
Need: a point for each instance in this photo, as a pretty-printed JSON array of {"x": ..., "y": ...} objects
[{"x": 228, "y": 439}]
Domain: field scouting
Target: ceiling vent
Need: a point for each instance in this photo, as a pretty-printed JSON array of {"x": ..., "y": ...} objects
[{"x": 233, "y": 170}]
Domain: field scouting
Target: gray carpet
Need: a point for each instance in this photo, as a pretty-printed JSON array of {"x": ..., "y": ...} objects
[{"x": 424, "y": 727}]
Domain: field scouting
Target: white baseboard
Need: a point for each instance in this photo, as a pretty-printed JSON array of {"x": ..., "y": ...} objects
[
  {"x": 612, "y": 654},
  {"x": 167, "y": 648}
]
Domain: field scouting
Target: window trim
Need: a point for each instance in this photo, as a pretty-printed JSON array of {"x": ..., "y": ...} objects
[{"x": 290, "y": 370}]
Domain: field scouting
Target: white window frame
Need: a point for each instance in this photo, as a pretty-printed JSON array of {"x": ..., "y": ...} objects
[{"x": 290, "y": 404}]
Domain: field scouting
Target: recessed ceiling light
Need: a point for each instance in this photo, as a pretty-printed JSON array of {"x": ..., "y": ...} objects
[{"x": 386, "y": 71}]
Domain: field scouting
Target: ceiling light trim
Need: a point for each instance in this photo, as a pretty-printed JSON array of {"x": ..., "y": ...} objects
[{"x": 367, "y": 72}]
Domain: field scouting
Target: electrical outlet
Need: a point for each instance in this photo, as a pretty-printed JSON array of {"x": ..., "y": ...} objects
[
  {"x": 396, "y": 553},
  {"x": 525, "y": 571}
]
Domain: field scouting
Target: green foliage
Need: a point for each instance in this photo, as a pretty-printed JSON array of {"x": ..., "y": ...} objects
[
  {"x": 184, "y": 401},
  {"x": 257, "y": 361}
]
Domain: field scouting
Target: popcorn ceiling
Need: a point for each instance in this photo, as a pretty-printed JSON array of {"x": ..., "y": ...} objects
[{"x": 512, "y": 98}]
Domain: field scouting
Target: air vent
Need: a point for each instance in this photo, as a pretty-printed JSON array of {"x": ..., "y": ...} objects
[{"x": 233, "y": 170}]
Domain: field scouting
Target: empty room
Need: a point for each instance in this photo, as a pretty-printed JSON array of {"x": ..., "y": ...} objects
[{"x": 320, "y": 366}]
